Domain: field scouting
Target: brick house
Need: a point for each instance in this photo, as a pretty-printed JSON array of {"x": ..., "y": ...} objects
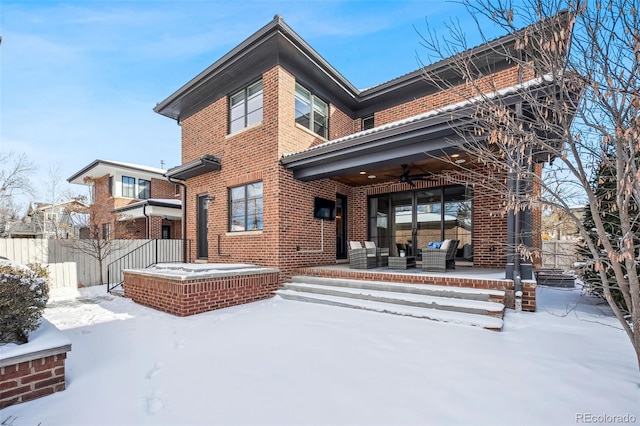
[
  {"x": 271, "y": 132},
  {"x": 131, "y": 200}
]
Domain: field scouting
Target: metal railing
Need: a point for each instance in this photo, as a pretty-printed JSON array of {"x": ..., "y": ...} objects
[{"x": 148, "y": 254}]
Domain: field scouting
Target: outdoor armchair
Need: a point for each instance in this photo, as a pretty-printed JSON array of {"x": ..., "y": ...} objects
[
  {"x": 439, "y": 259},
  {"x": 359, "y": 257},
  {"x": 381, "y": 253}
]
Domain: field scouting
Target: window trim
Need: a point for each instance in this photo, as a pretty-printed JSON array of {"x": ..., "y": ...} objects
[
  {"x": 246, "y": 210},
  {"x": 312, "y": 109},
  {"x": 245, "y": 107}
]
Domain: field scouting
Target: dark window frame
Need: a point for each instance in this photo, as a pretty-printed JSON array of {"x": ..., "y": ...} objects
[
  {"x": 313, "y": 101},
  {"x": 244, "y": 103},
  {"x": 368, "y": 122},
  {"x": 144, "y": 191},
  {"x": 258, "y": 219},
  {"x": 130, "y": 186}
]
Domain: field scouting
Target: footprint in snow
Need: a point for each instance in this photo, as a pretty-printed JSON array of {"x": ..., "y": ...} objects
[
  {"x": 154, "y": 371},
  {"x": 154, "y": 403}
]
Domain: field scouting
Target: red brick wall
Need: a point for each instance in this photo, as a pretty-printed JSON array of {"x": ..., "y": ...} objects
[
  {"x": 461, "y": 93},
  {"x": 190, "y": 297},
  {"x": 32, "y": 379},
  {"x": 161, "y": 188}
]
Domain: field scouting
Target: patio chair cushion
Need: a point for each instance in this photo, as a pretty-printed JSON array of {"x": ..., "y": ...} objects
[
  {"x": 435, "y": 244},
  {"x": 445, "y": 245},
  {"x": 355, "y": 245}
]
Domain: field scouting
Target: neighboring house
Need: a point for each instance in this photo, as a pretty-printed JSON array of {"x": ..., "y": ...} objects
[
  {"x": 46, "y": 220},
  {"x": 558, "y": 224},
  {"x": 131, "y": 201},
  {"x": 272, "y": 134}
]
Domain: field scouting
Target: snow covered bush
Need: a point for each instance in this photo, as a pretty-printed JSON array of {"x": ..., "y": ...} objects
[{"x": 23, "y": 296}]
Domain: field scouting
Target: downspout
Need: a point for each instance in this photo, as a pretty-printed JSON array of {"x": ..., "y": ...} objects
[
  {"x": 184, "y": 216},
  {"x": 146, "y": 228}
]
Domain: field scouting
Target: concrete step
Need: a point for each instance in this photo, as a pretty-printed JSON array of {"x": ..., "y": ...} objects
[
  {"x": 468, "y": 306},
  {"x": 422, "y": 289},
  {"x": 484, "y": 321},
  {"x": 471, "y": 306}
]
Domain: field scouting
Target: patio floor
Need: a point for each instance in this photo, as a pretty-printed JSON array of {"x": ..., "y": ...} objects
[{"x": 461, "y": 271}]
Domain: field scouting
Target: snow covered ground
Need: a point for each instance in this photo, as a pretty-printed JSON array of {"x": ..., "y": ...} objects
[{"x": 279, "y": 362}]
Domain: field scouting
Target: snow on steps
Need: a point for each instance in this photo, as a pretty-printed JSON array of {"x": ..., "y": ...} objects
[{"x": 448, "y": 304}]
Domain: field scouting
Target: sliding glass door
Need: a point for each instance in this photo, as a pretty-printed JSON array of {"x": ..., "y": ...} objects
[{"x": 410, "y": 220}]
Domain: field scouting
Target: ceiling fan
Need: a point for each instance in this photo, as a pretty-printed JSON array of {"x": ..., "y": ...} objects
[{"x": 409, "y": 178}]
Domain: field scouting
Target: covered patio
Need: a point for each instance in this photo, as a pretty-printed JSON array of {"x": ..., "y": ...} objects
[{"x": 413, "y": 183}]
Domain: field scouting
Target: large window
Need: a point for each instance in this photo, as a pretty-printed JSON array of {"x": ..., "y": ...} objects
[
  {"x": 245, "y": 107},
  {"x": 245, "y": 207},
  {"x": 144, "y": 189},
  {"x": 128, "y": 187},
  {"x": 311, "y": 111}
]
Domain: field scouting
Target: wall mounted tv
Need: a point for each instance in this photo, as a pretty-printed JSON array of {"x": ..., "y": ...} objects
[{"x": 324, "y": 209}]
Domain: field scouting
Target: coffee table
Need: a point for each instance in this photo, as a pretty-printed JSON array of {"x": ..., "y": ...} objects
[{"x": 402, "y": 262}]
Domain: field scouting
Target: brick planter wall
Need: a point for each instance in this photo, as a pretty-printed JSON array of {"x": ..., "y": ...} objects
[
  {"x": 30, "y": 375},
  {"x": 194, "y": 295}
]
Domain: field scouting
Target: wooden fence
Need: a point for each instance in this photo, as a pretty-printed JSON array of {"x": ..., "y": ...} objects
[
  {"x": 559, "y": 254},
  {"x": 69, "y": 267}
]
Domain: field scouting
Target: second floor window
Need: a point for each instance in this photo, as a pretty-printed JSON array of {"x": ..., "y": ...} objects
[
  {"x": 245, "y": 107},
  {"x": 245, "y": 207},
  {"x": 128, "y": 187},
  {"x": 311, "y": 111},
  {"x": 144, "y": 189},
  {"x": 367, "y": 122}
]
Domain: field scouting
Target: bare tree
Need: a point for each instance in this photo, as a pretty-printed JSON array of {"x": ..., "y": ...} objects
[
  {"x": 101, "y": 240},
  {"x": 578, "y": 107},
  {"x": 15, "y": 171}
]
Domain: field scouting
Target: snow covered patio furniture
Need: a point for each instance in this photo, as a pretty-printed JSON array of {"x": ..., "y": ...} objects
[
  {"x": 360, "y": 257},
  {"x": 439, "y": 259},
  {"x": 381, "y": 253}
]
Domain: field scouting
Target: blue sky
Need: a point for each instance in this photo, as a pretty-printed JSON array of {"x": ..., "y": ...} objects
[{"x": 79, "y": 79}]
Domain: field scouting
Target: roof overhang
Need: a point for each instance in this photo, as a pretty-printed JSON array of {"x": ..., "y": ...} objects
[
  {"x": 205, "y": 164},
  {"x": 406, "y": 143},
  {"x": 274, "y": 44},
  {"x": 429, "y": 135},
  {"x": 169, "y": 209},
  {"x": 277, "y": 44},
  {"x": 99, "y": 168}
]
